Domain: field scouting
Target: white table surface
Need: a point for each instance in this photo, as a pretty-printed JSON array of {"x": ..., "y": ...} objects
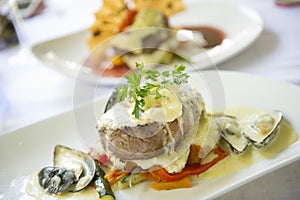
[{"x": 31, "y": 92}]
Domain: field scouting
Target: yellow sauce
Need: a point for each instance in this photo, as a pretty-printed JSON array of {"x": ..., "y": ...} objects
[
  {"x": 34, "y": 191},
  {"x": 234, "y": 162}
]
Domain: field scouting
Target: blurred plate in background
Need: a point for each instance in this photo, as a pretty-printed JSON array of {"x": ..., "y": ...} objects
[{"x": 241, "y": 25}]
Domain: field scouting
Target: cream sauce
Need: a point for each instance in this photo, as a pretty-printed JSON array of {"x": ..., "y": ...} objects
[
  {"x": 284, "y": 138},
  {"x": 28, "y": 188}
]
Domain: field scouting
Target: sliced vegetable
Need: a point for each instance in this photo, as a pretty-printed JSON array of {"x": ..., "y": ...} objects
[
  {"x": 149, "y": 176},
  {"x": 170, "y": 185},
  {"x": 102, "y": 185},
  {"x": 111, "y": 174},
  {"x": 114, "y": 176},
  {"x": 130, "y": 180},
  {"x": 107, "y": 197},
  {"x": 193, "y": 169},
  {"x": 155, "y": 173}
]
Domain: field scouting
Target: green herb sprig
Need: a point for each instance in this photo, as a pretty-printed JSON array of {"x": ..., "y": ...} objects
[{"x": 157, "y": 80}]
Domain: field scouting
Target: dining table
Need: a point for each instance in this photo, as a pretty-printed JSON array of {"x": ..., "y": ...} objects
[{"x": 31, "y": 92}]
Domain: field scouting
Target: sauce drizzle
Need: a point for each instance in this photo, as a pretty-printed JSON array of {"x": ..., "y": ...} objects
[{"x": 212, "y": 35}]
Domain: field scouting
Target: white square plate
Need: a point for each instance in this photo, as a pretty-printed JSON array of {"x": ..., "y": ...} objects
[{"x": 26, "y": 150}]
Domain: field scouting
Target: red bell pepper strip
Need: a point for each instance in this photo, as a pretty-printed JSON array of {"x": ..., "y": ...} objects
[{"x": 193, "y": 169}]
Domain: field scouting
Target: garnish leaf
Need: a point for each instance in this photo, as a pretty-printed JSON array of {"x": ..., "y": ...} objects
[
  {"x": 134, "y": 80},
  {"x": 179, "y": 77},
  {"x": 165, "y": 73},
  {"x": 152, "y": 74},
  {"x": 158, "y": 80},
  {"x": 123, "y": 92}
]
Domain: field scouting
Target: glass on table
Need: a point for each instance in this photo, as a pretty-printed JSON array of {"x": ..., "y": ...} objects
[
  {"x": 8, "y": 35},
  {"x": 12, "y": 13}
]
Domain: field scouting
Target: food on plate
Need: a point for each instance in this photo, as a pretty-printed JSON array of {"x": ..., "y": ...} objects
[
  {"x": 140, "y": 32},
  {"x": 168, "y": 7},
  {"x": 145, "y": 45},
  {"x": 115, "y": 16},
  {"x": 159, "y": 128},
  {"x": 154, "y": 121},
  {"x": 156, "y": 129},
  {"x": 138, "y": 43},
  {"x": 108, "y": 21}
]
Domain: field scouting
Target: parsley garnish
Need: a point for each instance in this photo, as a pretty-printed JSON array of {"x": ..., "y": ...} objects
[{"x": 157, "y": 80}]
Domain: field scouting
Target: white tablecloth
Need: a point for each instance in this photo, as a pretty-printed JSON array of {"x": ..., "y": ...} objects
[{"x": 30, "y": 92}]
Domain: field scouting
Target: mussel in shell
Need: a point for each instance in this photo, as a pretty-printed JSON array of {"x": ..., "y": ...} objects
[
  {"x": 72, "y": 171},
  {"x": 258, "y": 129},
  {"x": 261, "y": 128},
  {"x": 55, "y": 180},
  {"x": 231, "y": 132}
]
